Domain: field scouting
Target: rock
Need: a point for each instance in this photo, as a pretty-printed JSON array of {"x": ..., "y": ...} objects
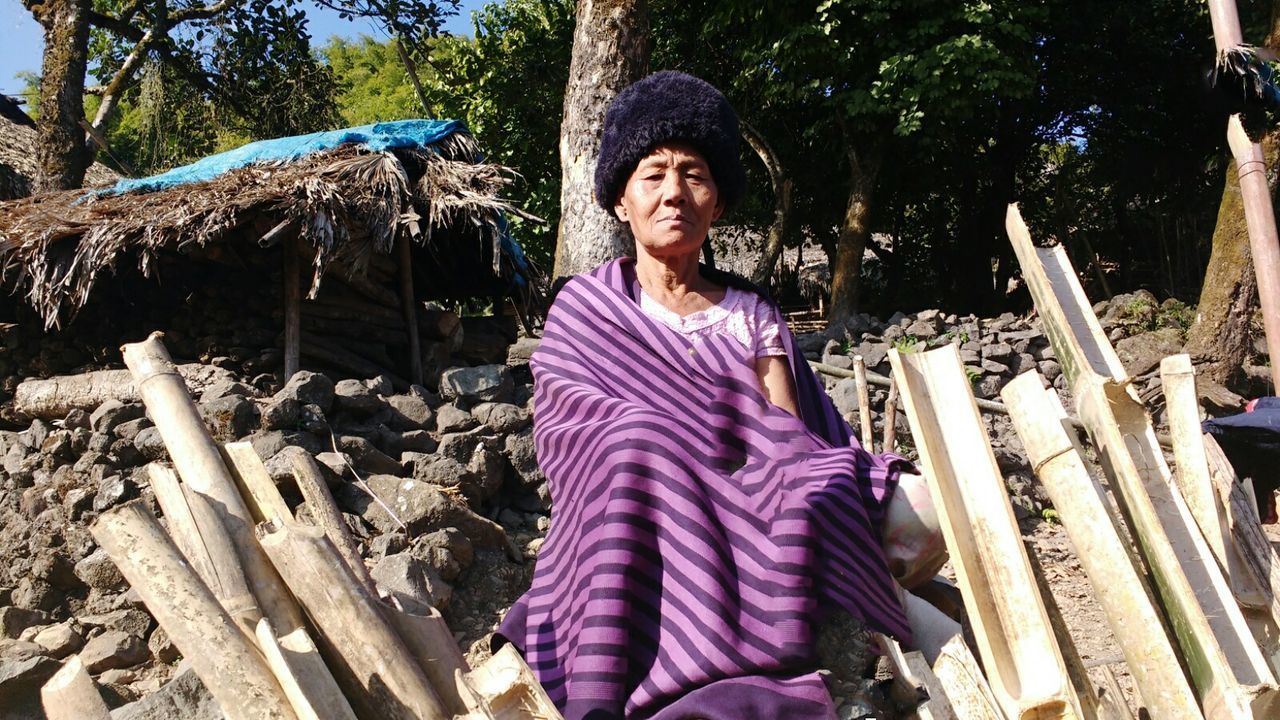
[
  {"x": 77, "y": 418},
  {"x": 482, "y": 383},
  {"x": 522, "y": 349},
  {"x": 229, "y": 418},
  {"x": 924, "y": 329},
  {"x": 99, "y": 572},
  {"x": 226, "y": 388},
  {"x": 409, "y": 412},
  {"x": 356, "y": 398},
  {"x": 127, "y": 620},
  {"x": 113, "y": 412},
  {"x": 501, "y": 418},
  {"x": 113, "y": 649},
  {"x": 519, "y": 450},
  {"x": 309, "y": 388},
  {"x": 388, "y": 544},
  {"x": 366, "y": 457},
  {"x": 989, "y": 387},
  {"x": 997, "y": 352},
  {"x": 280, "y": 414},
  {"x": 182, "y": 697},
  {"x": 59, "y": 640},
  {"x": 412, "y": 582},
  {"x": 1142, "y": 353},
  {"x": 24, "y": 668},
  {"x": 418, "y": 441},
  {"x": 451, "y": 419},
  {"x": 161, "y": 647},
  {"x": 845, "y": 397},
  {"x": 872, "y": 353},
  {"x": 336, "y": 462},
  {"x": 994, "y": 368},
  {"x": 150, "y": 445},
  {"x": 1050, "y": 369},
  {"x": 129, "y": 430},
  {"x": 458, "y": 446},
  {"x": 14, "y": 620},
  {"x": 112, "y": 491},
  {"x": 422, "y": 507},
  {"x": 447, "y": 551}
]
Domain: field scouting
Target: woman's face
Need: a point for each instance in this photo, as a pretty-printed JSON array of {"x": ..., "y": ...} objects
[{"x": 670, "y": 201}]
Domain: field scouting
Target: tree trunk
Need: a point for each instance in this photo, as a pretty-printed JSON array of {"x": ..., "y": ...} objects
[
  {"x": 60, "y": 152},
  {"x": 782, "y": 186},
  {"x": 610, "y": 51},
  {"x": 846, "y": 273}
]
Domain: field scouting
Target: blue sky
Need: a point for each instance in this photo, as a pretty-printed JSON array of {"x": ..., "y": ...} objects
[{"x": 24, "y": 40}]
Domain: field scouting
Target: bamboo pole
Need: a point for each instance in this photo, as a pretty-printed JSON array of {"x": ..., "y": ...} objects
[
  {"x": 1259, "y": 214},
  {"x": 292, "y": 308},
  {"x": 432, "y": 646},
  {"x": 219, "y": 652},
  {"x": 891, "y": 418},
  {"x": 914, "y": 684},
  {"x": 1225, "y": 664},
  {"x": 72, "y": 695},
  {"x": 313, "y": 695},
  {"x": 370, "y": 661},
  {"x": 965, "y": 686},
  {"x": 256, "y": 487},
  {"x": 1115, "y": 707},
  {"x": 182, "y": 526},
  {"x": 504, "y": 687},
  {"x": 1027, "y": 672},
  {"x": 409, "y": 304},
  {"x": 1082, "y": 508},
  {"x": 310, "y": 479},
  {"x": 199, "y": 464},
  {"x": 864, "y": 402}
]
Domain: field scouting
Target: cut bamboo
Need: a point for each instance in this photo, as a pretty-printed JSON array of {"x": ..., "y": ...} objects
[
  {"x": 964, "y": 684},
  {"x": 504, "y": 688},
  {"x": 1026, "y": 670},
  {"x": 313, "y": 695},
  {"x": 891, "y": 418},
  {"x": 914, "y": 684},
  {"x": 182, "y": 524},
  {"x": 220, "y": 653},
  {"x": 370, "y": 662},
  {"x": 199, "y": 464},
  {"x": 72, "y": 695},
  {"x": 864, "y": 402},
  {"x": 432, "y": 646},
  {"x": 1082, "y": 508},
  {"x": 256, "y": 487},
  {"x": 1226, "y": 666},
  {"x": 1115, "y": 707},
  {"x": 310, "y": 479}
]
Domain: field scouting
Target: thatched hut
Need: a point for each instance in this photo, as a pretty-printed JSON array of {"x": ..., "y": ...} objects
[
  {"x": 368, "y": 223},
  {"x": 18, "y": 154}
]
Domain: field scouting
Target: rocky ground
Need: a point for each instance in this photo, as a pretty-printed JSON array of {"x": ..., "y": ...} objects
[{"x": 441, "y": 488}]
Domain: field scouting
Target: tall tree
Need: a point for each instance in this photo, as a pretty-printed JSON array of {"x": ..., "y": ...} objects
[
  {"x": 610, "y": 51},
  {"x": 61, "y": 155}
]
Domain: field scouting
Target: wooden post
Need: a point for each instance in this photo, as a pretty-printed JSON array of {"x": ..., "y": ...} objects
[
  {"x": 313, "y": 695},
  {"x": 199, "y": 464},
  {"x": 966, "y": 687},
  {"x": 410, "y": 306},
  {"x": 221, "y": 654},
  {"x": 864, "y": 402},
  {"x": 292, "y": 307},
  {"x": 891, "y": 418},
  {"x": 1027, "y": 672},
  {"x": 1083, "y": 510},
  {"x": 72, "y": 695},
  {"x": 371, "y": 663},
  {"x": 1225, "y": 664}
]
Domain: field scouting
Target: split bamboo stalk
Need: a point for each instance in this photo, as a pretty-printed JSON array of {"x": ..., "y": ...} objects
[
  {"x": 310, "y": 479},
  {"x": 891, "y": 418},
  {"x": 72, "y": 695},
  {"x": 410, "y": 305},
  {"x": 1115, "y": 707},
  {"x": 965, "y": 686},
  {"x": 199, "y": 464},
  {"x": 1082, "y": 508},
  {"x": 506, "y": 689},
  {"x": 313, "y": 695},
  {"x": 292, "y": 308},
  {"x": 220, "y": 653},
  {"x": 257, "y": 489},
  {"x": 182, "y": 526},
  {"x": 864, "y": 402},
  {"x": 1226, "y": 666},
  {"x": 914, "y": 683},
  {"x": 1027, "y": 672},
  {"x": 432, "y": 646},
  {"x": 370, "y": 661}
]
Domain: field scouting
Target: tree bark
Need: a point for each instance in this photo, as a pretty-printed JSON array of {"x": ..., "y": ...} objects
[
  {"x": 610, "y": 51},
  {"x": 783, "y": 202},
  {"x": 60, "y": 149},
  {"x": 846, "y": 273}
]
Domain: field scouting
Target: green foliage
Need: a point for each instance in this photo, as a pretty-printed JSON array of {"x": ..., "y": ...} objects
[
  {"x": 375, "y": 87},
  {"x": 907, "y": 344}
]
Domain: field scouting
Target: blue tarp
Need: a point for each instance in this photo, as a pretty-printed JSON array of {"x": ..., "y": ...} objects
[{"x": 376, "y": 137}]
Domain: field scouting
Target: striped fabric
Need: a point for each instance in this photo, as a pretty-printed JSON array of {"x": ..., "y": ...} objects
[{"x": 697, "y": 531}]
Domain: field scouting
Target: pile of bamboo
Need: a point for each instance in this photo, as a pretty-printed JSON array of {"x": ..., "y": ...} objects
[
  {"x": 1193, "y": 600},
  {"x": 278, "y": 618}
]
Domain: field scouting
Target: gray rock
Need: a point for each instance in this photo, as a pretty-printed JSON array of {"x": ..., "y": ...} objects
[
  {"x": 229, "y": 418},
  {"x": 451, "y": 419},
  {"x": 182, "y": 697},
  {"x": 388, "y": 544},
  {"x": 129, "y": 430},
  {"x": 336, "y": 462},
  {"x": 113, "y": 412},
  {"x": 501, "y": 418},
  {"x": 447, "y": 551},
  {"x": 1050, "y": 369},
  {"x": 149, "y": 445},
  {"x": 519, "y": 450},
  {"x": 309, "y": 388},
  {"x": 410, "y": 412},
  {"x": 845, "y": 397},
  {"x": 488, "y": 468},
  {"x": 356, "y": 398},
  {"x": 412, "y": 582},
  {"x": 227, "y": 388},
  {"x": 113, "y": 649},
  {"x": 76, "y": 418},
  {"x": 989, "y": 387},
  {"x": 447, "y": 472},
  {"x": 477, "y": 384},
  {"x": 422, "y": 507},
  {"x": 281, "y": 414},
  {"x": 458, "y": 446},
  {"x": 898, "y": 319},
  {"x": 161, "y": 647},
  {"x": 24, "y": 668},
  {"x": 14, "y": 620},
  {"x": 998, "y": 352},
  {"x": 366, "y": 457},
  {"x": 59, "y": 640},
  {"x": 127, "y": 620},
  {"x": 98, "y": 571},
  {"x": 924, "y": 328},
  {"x": 844, "y": 362},
  {"x": 112, "y": 491},
  {"x": 1142, "y": 353},
  {"x": 994, "y": 368},
  {"x": 522, "y": 349},
  {"x": 873, "y": 353},
  {"x": 418, "y": 441}
]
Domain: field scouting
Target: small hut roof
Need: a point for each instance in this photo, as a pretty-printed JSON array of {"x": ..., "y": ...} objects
[
  {"x": 18, "y": 154},
  {"x": 347, "y": 203}
]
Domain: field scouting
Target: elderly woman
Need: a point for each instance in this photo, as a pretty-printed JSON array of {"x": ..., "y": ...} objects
[{"x": 709, "y": 504}]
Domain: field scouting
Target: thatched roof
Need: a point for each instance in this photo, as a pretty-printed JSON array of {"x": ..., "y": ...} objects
[
  {"x": 345, "y": 204},
  {"x": 18, "y": 154}
]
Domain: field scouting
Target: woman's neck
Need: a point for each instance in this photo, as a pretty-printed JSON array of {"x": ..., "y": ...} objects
[{"x": 674, "y": 281}]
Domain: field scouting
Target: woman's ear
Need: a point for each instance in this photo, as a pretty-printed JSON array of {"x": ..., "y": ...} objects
[
  {"x": 620, "y": 210},
  {"x": 719, "y": 210}
]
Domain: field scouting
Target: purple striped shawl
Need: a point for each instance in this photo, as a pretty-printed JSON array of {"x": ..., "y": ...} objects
[{"x": 698, "y": 531}]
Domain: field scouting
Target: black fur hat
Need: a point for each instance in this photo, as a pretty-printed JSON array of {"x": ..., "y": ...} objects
[{"x": 663, "y": 107}]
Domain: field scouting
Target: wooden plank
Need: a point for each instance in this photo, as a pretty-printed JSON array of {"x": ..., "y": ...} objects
[
  {"x": 964, "y": 684},
  {"x": 1225, "y": 664},
  {"x": 1024, "y": 666},
  {"x": 1082, "y": 506}
]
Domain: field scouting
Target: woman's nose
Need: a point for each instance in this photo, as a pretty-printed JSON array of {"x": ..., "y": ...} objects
[{"x": 673, "y": 188}]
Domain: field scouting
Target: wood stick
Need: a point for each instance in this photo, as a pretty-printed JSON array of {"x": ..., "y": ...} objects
[
  {"x": 313, "y": 695},
  {"x": 1112, "y": 697},
  {"x": 182, "y": 524},
  {"x": 355, "y": 329},
  {"x": 256, "y": 487},
  {"x": 227, "y": 663},
  {"x": 72, "y": 695},
  {"x": 53, "y": 398},
  {"x": 1027, "y": 673},
  {"x": 891, "y": 418},
  {"x": 1226, "y": 666},
  {"x": 310, "y": 479},
  {"x": 914, "y": 684},
  {"x": 374, "y": 668},
  {"x": 1082, "y": 507},
  {"x": 367, "y": 288},
  {"x": 864, "y": 402},
  {"x": 965, "y": 686},
  {"x": 507, "y": 688},
  {"x": 410, "y": 307},
  {"x": 199, "y": 464},
  {"x": 292, "y": 308},
  {"x": 434, "y": 649}
]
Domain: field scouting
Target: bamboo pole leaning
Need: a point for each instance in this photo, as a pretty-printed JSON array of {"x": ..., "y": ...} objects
[
  {"x": 1082, "y": 508},
  {"x": 72, "y": 695},
  {"x": 864, "y": 402},
  {"x": 1026, "y": 670},
  {"x": 966, "y": 688}
]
